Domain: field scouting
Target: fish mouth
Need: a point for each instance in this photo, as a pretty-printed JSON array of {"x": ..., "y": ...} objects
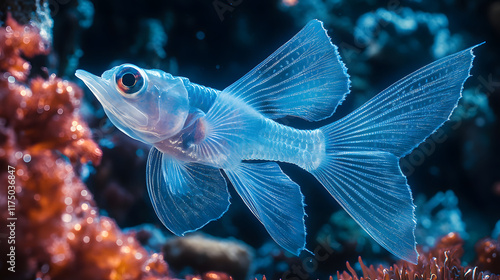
[{"x": 111, "y": 100}]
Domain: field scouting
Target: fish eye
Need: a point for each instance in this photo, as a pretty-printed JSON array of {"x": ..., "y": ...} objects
[{"x": 129, "y": 81}]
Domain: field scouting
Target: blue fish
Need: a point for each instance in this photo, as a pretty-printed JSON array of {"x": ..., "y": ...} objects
[{"x": 197, "y": 133}]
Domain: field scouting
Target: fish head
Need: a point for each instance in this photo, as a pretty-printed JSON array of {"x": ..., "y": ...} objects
[{"x": 147, "y": 105}]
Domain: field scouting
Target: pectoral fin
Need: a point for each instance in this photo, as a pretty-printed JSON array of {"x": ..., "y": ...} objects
[
  {"x": 185, "y": 196},
  {"x": 274, "y": 199}
]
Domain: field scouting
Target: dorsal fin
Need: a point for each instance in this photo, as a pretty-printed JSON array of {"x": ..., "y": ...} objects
[{"x": 305, "y": 78}]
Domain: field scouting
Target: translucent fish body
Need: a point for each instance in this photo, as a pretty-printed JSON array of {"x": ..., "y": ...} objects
[{"x": 198, "y": 132}]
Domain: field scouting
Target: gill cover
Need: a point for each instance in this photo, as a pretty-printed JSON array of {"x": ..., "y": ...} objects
[{"x": 147, "y": 105}]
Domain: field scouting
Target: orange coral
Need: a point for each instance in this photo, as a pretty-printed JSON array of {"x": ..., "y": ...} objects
[
  {"x": 211, "y": 275},
  {"x": 58, "y": 232},
  {"x": 17, "y": 39},
  {"x": 488, "y": 255},
  {"x": 440, "y": 263}
]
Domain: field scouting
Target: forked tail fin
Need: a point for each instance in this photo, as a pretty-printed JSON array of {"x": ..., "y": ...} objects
[{"x": 362, "y": 150}]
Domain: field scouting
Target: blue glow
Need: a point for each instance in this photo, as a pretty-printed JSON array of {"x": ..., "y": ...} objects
[{"x": 200, "y": 35}]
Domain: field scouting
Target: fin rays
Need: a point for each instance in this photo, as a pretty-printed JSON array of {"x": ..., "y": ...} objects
[
  {"x": 360, "y": 165},
  {"x": 408, "y": 111},
  {"x": 185, "y": 196},
  {"x": 274, "y": 199},
  {"x": 389, "y": 221},
  {"x": 305, "y": 78},
  {"x": 361, "y": 169}
]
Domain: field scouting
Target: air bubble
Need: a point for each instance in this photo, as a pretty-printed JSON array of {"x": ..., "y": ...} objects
[
  {"x": 68, "y": 200},
  {"x": 66, "y": 218},
  {"x": 27, "y": 158}
]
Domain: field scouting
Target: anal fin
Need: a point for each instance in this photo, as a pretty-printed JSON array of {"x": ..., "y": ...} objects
[{"x": 274, "y": 199}]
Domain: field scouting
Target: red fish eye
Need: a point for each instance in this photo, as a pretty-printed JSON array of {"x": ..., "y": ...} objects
[{"x": 129, "y": 80}]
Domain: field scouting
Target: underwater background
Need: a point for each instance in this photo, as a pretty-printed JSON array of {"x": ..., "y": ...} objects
[{"x": 81, "y": 203}]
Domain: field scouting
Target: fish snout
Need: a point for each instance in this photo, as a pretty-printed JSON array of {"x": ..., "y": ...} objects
[{"x": 112, "y": 101}]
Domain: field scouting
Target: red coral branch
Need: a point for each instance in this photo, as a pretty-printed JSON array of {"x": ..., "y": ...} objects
[
  {"x": 59, "y": 233},
  {"x": 16, "y": 39}
]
